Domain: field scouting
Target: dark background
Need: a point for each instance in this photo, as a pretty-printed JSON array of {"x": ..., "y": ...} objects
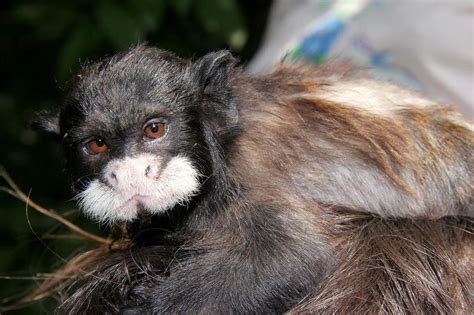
[{"x": 42, "y": 44}]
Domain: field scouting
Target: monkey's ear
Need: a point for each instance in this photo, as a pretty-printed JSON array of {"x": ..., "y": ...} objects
[
  {"x": 212, "y": 71},
  {"x": 47, "y": 121}
]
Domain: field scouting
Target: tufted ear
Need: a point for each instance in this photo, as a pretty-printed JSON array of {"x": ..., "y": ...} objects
[
  {"x": 47, "y": 121},
  {"x": 212, "y": 74},
  {"x": 212, "y": 71}
]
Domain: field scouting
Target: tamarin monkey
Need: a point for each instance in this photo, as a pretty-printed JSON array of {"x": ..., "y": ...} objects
[{"x": 303, "y": 190}]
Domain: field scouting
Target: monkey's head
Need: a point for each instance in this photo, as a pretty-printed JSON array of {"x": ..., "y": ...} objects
[{"x": 140, "y": 130}]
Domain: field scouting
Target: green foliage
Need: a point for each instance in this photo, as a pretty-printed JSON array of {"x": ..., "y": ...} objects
[
  {"x": 86, "y": 27},
  {"x": 230, "y": 29},
  {"x": 42, "y": 44}
]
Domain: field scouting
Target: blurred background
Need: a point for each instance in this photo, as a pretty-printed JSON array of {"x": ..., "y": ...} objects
[{"x": 427, "y": 46}]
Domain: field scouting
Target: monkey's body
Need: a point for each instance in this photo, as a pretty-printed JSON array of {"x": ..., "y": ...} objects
[
  {"x": 351, "y": 143},
  {"x": 294, "y": 168}
]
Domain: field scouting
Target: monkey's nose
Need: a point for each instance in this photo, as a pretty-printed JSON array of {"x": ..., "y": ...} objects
[
  {"x": 151, "y": 171},
  {"x": 129, "y": 173},
  {"x": 111, "y": 177},
  {"x": 126, "y": 176}
]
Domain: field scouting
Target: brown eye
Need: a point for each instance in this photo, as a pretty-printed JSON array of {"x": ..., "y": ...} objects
[
  {"x": 155, "y": 130},
  {"x": 97, "y": 146}
]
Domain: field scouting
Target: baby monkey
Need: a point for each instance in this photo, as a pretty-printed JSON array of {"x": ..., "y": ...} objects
[{"x": 244, "y": 182}]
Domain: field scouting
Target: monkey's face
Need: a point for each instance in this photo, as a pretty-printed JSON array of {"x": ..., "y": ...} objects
[
  {"x": 129, "y": 138},
  {"x": 133, "y": 136},
  {"x": 136, "y": 129}
]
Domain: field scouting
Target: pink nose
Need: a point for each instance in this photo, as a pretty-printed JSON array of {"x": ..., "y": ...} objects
[{"x": 128, "y": 172}]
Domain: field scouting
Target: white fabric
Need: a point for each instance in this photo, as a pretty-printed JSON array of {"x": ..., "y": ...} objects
[{"x": 424, "y": 45}]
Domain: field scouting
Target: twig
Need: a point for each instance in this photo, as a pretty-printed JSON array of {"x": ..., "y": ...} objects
[
  {"x": 16, "y": 192},
  {"x": 62, "y": 236}
]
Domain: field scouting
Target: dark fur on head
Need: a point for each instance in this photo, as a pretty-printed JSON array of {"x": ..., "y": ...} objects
[{"x": 303, "y": 185}]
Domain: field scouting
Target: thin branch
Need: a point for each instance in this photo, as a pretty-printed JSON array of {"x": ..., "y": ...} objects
[
  {"x": 74, "y": 237},
  {"x": 16, "y": 192}
]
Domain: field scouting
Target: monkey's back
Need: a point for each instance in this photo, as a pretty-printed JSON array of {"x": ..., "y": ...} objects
[{"x": 352, "y": 143}]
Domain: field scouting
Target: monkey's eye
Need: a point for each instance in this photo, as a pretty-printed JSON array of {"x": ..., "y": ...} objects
[
  {"x": 96, "y": 146},
  {"x": 154, "y": 130}
]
